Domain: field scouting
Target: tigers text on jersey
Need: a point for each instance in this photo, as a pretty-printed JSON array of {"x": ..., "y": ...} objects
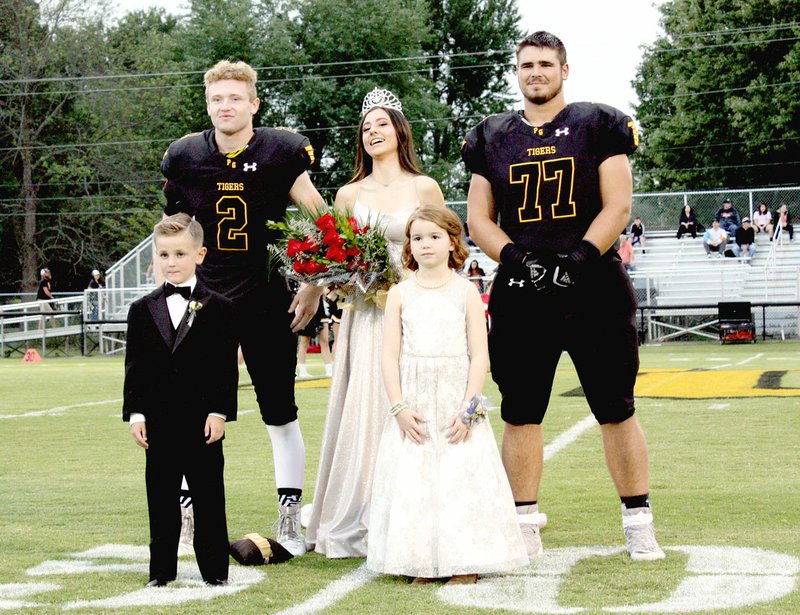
[
  {"x": 233, "y": 196},
  {"x": 545, "y": 178}
]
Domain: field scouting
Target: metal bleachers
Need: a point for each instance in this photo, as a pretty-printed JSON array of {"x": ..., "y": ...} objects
[{"x": 670, "y": 272}]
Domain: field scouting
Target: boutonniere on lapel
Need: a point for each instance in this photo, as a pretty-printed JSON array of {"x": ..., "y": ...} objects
[{"x": 194, "y": 307}]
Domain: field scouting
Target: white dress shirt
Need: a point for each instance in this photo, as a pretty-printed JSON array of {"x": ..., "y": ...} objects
[{"x": 176, "y": 305}]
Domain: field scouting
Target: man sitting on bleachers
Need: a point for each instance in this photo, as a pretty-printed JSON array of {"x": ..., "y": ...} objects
[
  {"x": 745, "y": 245},
  {"x": 728, "y": 218},
  {"x": 715, "y": 239}
]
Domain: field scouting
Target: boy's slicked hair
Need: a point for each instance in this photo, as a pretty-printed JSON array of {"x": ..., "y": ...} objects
[
  {"x": 445, "y": 219},
  {"x": 237, "y": 71},
  {"x": 545, "y": 40},
  {"x": 178, "y": 223}
]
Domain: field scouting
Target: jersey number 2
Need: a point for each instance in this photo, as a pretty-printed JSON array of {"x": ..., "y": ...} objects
[
  {"x": 532, "y": 174},
  {"x": 230, "y": 229}
]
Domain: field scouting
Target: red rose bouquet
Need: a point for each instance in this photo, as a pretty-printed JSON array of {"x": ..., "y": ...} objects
[{"x": 334, "y": 250}]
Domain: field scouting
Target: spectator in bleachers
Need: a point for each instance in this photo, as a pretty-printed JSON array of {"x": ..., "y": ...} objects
[
  {"x": 745, "y": 242},
  {"x": 784, "y": 221},
  {"x": 687, "y": 222},
  {"x": 95, "y": 284},
  {"x": 762, "y": 220},
  {"x": 728, "y": 218},
  {"x": 475, "y": 274},
  {"x": 637, "y": 233},
  {"x": 625, "y": 252},
  {"x": 715, "y": 239}
]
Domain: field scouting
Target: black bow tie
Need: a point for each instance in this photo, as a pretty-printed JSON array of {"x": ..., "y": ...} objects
[{"x": 183, "y": 291}]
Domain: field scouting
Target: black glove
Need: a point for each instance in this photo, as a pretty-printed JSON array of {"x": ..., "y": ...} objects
[
  {"x": 549, "y": 273},
  {"x": 538, "y": 270},
  {"x": 569, "y": 268}
]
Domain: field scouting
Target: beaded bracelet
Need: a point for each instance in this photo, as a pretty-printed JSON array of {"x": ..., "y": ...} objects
[{"x": 396, "y": 408}]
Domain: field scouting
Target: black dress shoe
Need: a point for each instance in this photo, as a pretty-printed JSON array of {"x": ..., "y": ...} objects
[
  {"x": 216, "y": 581},
  {"x": 156, "y": 583}
]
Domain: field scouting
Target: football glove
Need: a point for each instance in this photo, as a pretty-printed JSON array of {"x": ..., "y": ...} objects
[
  {"x": 550, "y": 273},
  {"x": 569, "y": 267},
  {"x": 538, "y": 270}
]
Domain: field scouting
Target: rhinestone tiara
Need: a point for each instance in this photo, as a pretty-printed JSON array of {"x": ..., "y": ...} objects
[{"x": 380, "y": 98}]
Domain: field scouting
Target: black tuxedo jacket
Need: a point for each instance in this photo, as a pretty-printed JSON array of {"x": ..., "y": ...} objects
[{"x": 176, "y": 378}]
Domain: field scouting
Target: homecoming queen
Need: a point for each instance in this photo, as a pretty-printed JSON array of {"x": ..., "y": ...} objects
[{"x": 386, "y": 188}]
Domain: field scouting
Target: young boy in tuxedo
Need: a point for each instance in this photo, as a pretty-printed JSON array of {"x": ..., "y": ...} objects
[{"x": 181, "y": 380}]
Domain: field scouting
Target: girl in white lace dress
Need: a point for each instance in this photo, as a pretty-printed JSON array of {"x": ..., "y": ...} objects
[
  {"x": 387, "y": 186},
  {"x": 441, "y": 502}
]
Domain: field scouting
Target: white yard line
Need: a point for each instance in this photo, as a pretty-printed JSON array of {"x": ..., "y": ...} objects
[
  {"x": 60, "y": 409},
  {"x": 334, "y": 592},
  {"x": 353, "y": 580},
  {"x": 566, "y": 438},
  {"x": 742, "y": 362}
]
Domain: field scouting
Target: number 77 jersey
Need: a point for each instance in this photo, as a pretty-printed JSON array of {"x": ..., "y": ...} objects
[
  {"x": 233, "y": 195},
  {"x": 545, "y": 179}
]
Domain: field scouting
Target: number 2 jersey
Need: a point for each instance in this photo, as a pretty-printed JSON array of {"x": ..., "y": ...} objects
[
  {"x": 545, "y": 179},
  {"x": 232, "y": 196}
]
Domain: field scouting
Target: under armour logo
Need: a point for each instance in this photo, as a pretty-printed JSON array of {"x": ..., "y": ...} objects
[
  {"x": 537, "y": 271},
  {"x": 513, "y": 282},
  {"x": 249, "y": 166},
  {"x": 562, "y": 132},
  {"x": 562, "y": 278}
]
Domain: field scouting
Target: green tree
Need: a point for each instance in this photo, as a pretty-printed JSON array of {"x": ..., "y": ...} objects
[
  {"x": 85, "y": 185},
  {"x": 41, "y": 53},
  {"x": 718, "y": 96},
  {"x": 350, "y": 47},
  {"x": 470, "y": 58}
]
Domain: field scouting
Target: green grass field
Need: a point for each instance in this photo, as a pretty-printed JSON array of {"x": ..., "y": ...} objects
[{"x": 723, "y": 427}]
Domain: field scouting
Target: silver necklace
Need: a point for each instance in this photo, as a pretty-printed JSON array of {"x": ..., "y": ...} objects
[
  {"x": 435, "y": 286},
  {"x": 382, "y": 185}
]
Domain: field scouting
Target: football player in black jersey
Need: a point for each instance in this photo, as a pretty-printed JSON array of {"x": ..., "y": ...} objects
[
  {"x": 233, "y": 178},
  {"x": 551, "y": 191}
]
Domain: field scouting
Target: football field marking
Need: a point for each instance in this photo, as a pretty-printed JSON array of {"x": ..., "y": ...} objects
[
  {"x": 334, "y": 592},
  {"x": 60, "y": 409},
  {"x": 716, "y": 577},
  {"x": 338, "y": 589},
  {"x": 742, "y": 362}
]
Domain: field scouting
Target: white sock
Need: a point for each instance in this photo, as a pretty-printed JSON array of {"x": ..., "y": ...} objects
[{"x": 288, "y": 454}]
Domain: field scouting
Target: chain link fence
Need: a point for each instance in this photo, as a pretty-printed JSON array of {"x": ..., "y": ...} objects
[{"x": 660, "y": 211}]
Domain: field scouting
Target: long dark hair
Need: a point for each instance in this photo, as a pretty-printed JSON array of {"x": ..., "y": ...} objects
[{"x": 405, "y": 147}]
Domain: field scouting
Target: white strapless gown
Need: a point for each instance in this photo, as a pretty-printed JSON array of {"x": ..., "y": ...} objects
[{"x": 357, "y": 411}]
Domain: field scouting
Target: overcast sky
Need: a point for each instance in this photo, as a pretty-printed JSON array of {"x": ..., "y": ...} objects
[{"x": 603, "y": 40}]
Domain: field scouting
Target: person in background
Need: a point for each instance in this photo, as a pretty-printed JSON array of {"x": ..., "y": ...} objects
[
  {"x": 44, "y": 295},
  {"x": 626, "y": 253},
  {"x": 638, "y": 237},
  {"x": 783, "y": 222},
  {"x": 331, "y": 320},
  {"x": 715, "y": 239},
  {"x": 687, "y": 222},
  {"x": 95, "y": 284},
  {"x": 762, "y": 220},
  {"x": 744, "y": 245},
  {"x": 728, "y": 219},
  {"x": 475, "y": 274},
  {"x": 316, "y": 328}
]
